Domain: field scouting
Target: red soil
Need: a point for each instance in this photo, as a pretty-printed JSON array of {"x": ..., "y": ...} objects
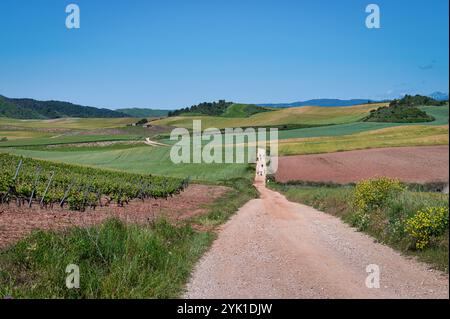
[
  {"x": 409, "y": 164},
  {"x": 17, "y": 222}
]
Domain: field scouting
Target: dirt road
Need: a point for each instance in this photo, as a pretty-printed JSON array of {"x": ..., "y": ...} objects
[{"x": 273, "y": 248}]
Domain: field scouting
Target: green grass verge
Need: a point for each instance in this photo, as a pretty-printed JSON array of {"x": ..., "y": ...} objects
[
  {"x": 385, "y": 224},
  {"x": 223, "y": 208},
  {"x": 116, "y": 260}
]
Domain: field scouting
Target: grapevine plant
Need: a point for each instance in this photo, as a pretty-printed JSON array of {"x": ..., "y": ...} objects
[{"x": 77, "y": 187}]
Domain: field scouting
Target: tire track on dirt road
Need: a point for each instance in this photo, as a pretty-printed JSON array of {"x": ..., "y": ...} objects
[{"x": 273, "y": 248}]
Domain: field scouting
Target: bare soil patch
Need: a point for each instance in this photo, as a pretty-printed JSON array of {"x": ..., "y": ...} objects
[
  {"x": 409, "y": 164},
  {"x": 17, "y": 222}
]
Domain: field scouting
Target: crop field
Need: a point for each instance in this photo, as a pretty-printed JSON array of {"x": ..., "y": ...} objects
[
  {"x": 165, "y": 151},
  {"x": 68, "y": 123},
  {"x": 22, "y": 134},
  {"x": 413, "y": 135},
  {"x": 66, "y": 139},
  {"x": 428, "y": 164},
  {"x": 307, "y": 115},
  {"x": 102, "y": 170},
  {"x": 142, "y": 160},
  {"x": 123, "y": 152},
  {"x": 440, "y": 113}
]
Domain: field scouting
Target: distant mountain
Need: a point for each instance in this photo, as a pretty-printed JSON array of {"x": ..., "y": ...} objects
[
  {"x": 321, "y": 102},
  {"x": 34, "y": 109},
  {"x": 439, "y": 96},
  {"x": 137, "y": 112}
]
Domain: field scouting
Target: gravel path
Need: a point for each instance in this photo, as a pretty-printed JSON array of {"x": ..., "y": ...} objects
[{"x": 273, "y": 248}]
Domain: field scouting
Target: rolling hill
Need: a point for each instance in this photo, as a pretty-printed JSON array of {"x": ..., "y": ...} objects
[
  {"x": 34, "y": 109},
  {"x": 243, "y": 110},
  {"x": 307, "y": 116},
  {"x": 143, "y": 112},
  {"x": 220, "y": 108},
  {"x": 439, "y": 96},
  {"x": 320, "y": 102},
  {"x": 405, "y": 110}
]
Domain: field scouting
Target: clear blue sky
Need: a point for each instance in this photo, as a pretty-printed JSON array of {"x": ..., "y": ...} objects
[{"x": 175, "y": 53}]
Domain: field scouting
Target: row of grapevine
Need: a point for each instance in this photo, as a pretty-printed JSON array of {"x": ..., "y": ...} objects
[{"x": 29, "y": 181}]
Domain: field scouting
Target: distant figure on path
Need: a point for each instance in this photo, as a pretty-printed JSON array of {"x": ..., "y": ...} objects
[{"x": 261, "y": 166}]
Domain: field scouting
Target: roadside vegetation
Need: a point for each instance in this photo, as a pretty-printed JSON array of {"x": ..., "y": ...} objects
[
  {"x": 117, "y": 260},
  {"x": 412, "y": 221}
]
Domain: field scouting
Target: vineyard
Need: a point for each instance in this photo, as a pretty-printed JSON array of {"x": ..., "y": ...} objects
[{"x": 33, "y": 182}]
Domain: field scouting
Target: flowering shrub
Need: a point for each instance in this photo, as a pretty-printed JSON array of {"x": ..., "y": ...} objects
[
  {"x": 426, "y": 223},
  {"x": 360, "y": 220},
  {"x": 373, "y": 193}
]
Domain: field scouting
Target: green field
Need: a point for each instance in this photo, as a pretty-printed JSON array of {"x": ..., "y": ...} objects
[
  {"x": 440, "y": 113},
  {"x": 32, "y": 267},
  {"x": 32, "y": 138},
  {"x": 66, "y": 139},
  {"x": 412, "y": 135},
  {"x": 12, "y": 135},
  {"x": 243, "y": 110},
  {"x": 144, "y": 160},
  {"x": 68, "y": 123},
  {"x": 307, "y": 115}
]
